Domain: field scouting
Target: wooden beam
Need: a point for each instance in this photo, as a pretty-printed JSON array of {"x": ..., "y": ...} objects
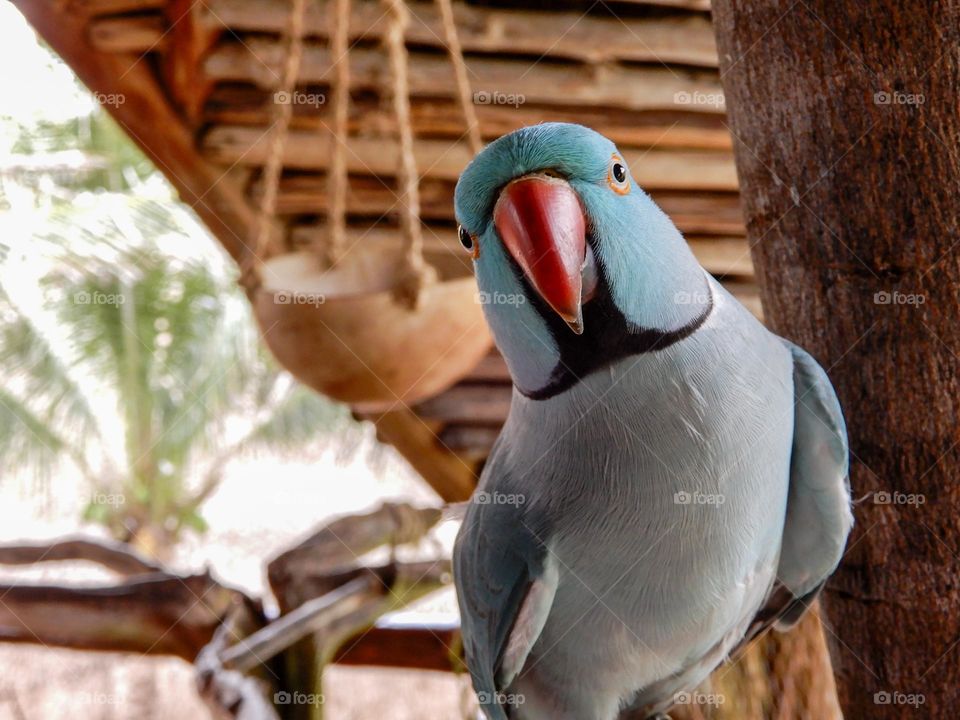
[
  {"x": 246, "y": 104},
  {"x": 452, "y": 478},
  {"x": 150, "y": 121},
  {"x": 723, "y": 256},
  {"x": 474, "y": 404},
  {"x": 720, "y": 255},
  {"x": 505, "y": 81},
  {"x": 694, "y": 213},
  {"x": 420, "y": 647},
  {"x": 190, "y": 38},
  {"x": 470, "y": 438},
  {"x": 702, "y": 5},
  {"x": 589, "y": 37},
  {"x": 93, "y": 8},
  {"x": 128, "y": 34},
  {"x": 491, "y": 369},
  {"x": 653, "y": 169}
]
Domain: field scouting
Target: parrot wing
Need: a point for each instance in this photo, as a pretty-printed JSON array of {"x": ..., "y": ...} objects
[
  {"x": 819, "y": 515},
  {"x": 505, "y": 587}
]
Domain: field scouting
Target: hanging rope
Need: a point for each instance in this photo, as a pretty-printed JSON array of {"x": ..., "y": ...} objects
[
  {"x": 280, "y": 117},
  {"x": 416, "y": 273},
  {"x": 464, "y": 93},
  {"x": 337, "y": 181}
]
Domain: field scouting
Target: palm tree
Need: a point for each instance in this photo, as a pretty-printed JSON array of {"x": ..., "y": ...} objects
[
  {"x": 138, "y": 366},
  {"x": 142, "y": 369}
]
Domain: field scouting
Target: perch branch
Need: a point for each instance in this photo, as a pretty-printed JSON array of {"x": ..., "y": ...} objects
[
  {"x": 157, "y": 614},
  {"x": 112, "y": 555},
  {"x": 359, "y": 597},
  {"x": 338, "y": 545}
]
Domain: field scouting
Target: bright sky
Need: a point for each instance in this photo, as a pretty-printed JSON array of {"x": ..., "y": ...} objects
[{"x": 29, "y": 68}]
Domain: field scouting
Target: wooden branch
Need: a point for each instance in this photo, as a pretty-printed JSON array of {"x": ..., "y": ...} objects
[
  {"x": 112, "y": 555},
  {"x": 230, "y": 694},
  {"x": 315, "y": 629},
  {"x": 312, "y": 617},
  {"x": 589, "y": 37},
  {"x": 653, "y": 169},
  {"x": 339, "y": 544},
  {"x": 159, "y": 614},
  {"x": 258, "y": 60}
]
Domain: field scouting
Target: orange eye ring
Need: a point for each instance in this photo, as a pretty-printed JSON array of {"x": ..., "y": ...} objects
[{"x": 617, "y": 177}]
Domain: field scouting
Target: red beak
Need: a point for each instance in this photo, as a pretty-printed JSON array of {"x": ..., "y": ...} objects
[{"x": 542, "y": 225}]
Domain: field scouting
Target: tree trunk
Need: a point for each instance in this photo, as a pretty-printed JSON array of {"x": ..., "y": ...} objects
[{"x": 846, "y": 125}]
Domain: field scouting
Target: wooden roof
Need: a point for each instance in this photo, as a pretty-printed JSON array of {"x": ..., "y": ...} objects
[{"x": 197, "y": 80}]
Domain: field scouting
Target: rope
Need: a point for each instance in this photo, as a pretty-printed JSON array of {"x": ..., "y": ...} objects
[
  {"x": 337, "y": 182},
  {"x": 464, "y": 93},
  {"x": 281, "y": 115},
  {"x": 416, "y": 273}
]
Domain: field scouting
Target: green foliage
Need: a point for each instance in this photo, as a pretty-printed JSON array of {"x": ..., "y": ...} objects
[
  {"x": 138, "y": 365},
  {"x": 167, "y": 344}
]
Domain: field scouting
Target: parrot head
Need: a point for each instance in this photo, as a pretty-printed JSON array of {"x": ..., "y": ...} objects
[{"x": 576, "y": 266}]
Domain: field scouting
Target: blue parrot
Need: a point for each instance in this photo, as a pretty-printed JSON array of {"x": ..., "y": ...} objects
[{"x": 672, "y": 477}]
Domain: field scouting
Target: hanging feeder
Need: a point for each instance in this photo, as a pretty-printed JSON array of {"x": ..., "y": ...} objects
[{"x": 360, "y": 321}]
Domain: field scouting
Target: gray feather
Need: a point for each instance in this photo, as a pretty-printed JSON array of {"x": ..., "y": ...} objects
[
  {"x": 497, "y": 557},
  {"x": 818, "y": 517}
]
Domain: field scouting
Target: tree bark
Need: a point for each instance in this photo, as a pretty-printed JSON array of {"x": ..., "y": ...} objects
[{"x": 845, "y": 120}]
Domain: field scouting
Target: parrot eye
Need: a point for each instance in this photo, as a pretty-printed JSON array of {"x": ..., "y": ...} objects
[
  {"x": 617, "y": 176},
  {"x": 468, "y": 242}
]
